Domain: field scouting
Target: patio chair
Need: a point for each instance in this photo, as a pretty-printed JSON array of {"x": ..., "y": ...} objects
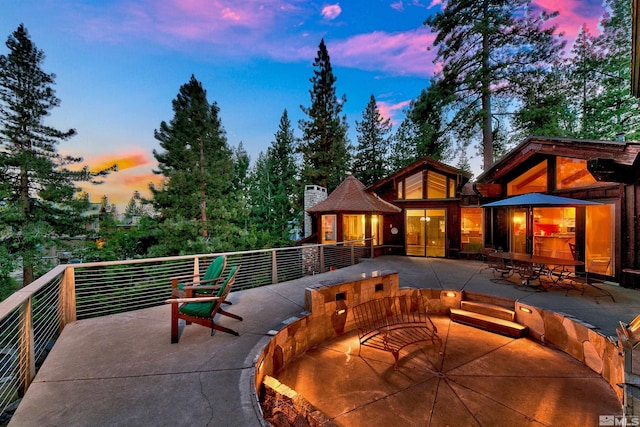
[
  {"x": 596, "y": 266},
  {"x": 560, "y": 273},
  {"x": 203, "y": 309},
  {"x": 527, "y": 272},
  {"x": 501, "y": 269},
  {"x": 205, "y": 283}
]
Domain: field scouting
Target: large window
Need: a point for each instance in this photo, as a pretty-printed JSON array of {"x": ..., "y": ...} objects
[
  {"x": 376, "y": 229},
  {"x": 471, "y": 228},
  {"x": 554, "y": 232},
  {"x": 572, "y": 173},
  {"x": 600, "y": 239},
  {"x": 400, "y": 194},
  {"x": 413, "y": 186},
  {"x": 436, "y": 185},
  {"x": 532, "y": 181},
  {"x": 328, "y": 232},
  {"x": 353, "y": 228}
]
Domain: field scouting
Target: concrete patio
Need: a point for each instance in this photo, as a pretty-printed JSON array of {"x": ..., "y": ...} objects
[{"x": 121, "y": 370}]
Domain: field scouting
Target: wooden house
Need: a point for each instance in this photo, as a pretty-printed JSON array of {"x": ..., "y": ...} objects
[{"x": 605, "y": 173}]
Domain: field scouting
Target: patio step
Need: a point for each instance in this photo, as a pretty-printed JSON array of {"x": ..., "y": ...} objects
[
  {"x": 488, "y": 309},
  {"x": 489, "y": 323}
]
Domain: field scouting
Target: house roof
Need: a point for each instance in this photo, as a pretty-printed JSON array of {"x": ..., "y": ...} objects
[
  {"x": 419, "y": 164},
  {"x": 350, "y": 196},
  {"x": 622, "y": 152}
]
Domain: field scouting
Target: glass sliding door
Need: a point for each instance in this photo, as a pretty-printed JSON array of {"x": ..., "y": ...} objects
[
  {"x": 415, "y": 234},
  {"x": 600, "y": 239},
  {"x": 425, "y": 232},
  {"x": 519, "y": 231}
]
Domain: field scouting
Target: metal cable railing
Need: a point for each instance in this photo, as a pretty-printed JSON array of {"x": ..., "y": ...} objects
[{"x": 32, "y": 318}]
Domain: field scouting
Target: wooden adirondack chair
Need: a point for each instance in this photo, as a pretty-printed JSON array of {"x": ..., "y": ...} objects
[
  {"x": 203, "y": 309},
  {"x": 207, "y": 283}
]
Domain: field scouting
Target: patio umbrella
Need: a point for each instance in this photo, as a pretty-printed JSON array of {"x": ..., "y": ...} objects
[
  {"x": 533, "y": 200},
  {"x": 538, "y": 199}
]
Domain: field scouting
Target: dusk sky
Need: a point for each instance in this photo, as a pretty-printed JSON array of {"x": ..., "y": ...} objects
[{"x": 120, "y": 63}]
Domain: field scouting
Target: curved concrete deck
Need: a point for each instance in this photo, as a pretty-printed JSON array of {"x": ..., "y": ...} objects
[
  {"x": 121, "y": 370},
  {"x": 480, "y": 379}
]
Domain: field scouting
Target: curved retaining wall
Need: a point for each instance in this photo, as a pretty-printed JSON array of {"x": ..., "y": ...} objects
[{"x": 328, "y": 316}]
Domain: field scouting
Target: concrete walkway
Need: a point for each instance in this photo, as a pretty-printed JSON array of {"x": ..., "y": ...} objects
[{"x": 121, "y": 370}]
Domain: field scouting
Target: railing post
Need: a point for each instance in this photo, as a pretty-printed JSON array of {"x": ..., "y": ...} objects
[
  {"x": 274, "y": 267},
  {"x": 322, "y": 268},
  {"x": 353, "y": 256},
  {"x": 67, "y": 301},
  {"x": 26, "y": 353},
  {"x": 196, "y": 269}
]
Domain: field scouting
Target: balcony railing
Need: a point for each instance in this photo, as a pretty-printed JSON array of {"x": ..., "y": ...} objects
[{"x": 32, "y": 318}]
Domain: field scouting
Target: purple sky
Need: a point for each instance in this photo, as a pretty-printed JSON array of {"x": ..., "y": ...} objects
[{"x": 119, "y": 64}]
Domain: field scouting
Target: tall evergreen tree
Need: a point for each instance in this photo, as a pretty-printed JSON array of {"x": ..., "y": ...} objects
[
  {"x": 428, "y": 113},
  {"x": 403, "y": 150},
  {"x": 424, "y": 132},
  {"x": 136, "y": 206},
  {"x": 198, "y": 170},
  {"x": 545, "y": 107},
  {"x": 275, "y": 188},
  {"x": 325, "y": 147},
  {"x": 370, "y": 160},
  {"x": 485, "y": 48},
  {"x": 583, "y": 83},
  {"x": 38, "y": 193},
  {"x": 616, "y": 109}
]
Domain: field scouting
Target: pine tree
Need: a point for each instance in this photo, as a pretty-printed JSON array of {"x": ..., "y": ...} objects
[
  {"x": 545, "y": 108},
  {"x": 325, "y": 147},
  {"x": 424, "y": 132},
  {"x": 428, "y": 113},
  {"x": 370, "y": 160},
  {"x": 583, "y": 83},
  {"x": 403, "y": 145},
  {"x": 275, "y": 189},
  {"x": 198, "y": 171},
  {"x": 616, "y": 109},
  {"x": 136, "y": 207},
  {"x": 38, "y": 192},
  {"x": 485, "y": 48}
]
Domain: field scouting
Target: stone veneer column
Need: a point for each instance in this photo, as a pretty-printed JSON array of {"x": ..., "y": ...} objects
[{"x": 313, "y": 194}]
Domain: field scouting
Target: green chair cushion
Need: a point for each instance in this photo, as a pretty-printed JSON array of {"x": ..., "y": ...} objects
[
  {"x": 198, "y": 309},
  {"x": 213, "y": 272},
  {"x": 215, "y": 269},
  {"x": 225, "y": 281}
]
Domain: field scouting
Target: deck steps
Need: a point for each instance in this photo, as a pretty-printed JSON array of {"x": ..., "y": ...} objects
[
  {"x": 488, "y": 309},
  {"x": 489, "y": 317}
]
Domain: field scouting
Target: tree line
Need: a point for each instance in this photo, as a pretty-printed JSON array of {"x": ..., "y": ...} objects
[{"x": 502, "y": 77}]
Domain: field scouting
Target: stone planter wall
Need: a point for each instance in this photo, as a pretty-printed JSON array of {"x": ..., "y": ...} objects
[{"x": 577, "y": 339}]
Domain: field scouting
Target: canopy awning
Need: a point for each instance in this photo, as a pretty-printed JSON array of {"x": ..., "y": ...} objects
[{"x": 538, "y": 199}]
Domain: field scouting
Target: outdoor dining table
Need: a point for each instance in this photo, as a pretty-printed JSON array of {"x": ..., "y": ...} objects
[{"x": 553, "y": 267}]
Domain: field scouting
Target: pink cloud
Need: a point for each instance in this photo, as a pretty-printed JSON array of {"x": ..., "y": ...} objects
[
  {"x": 572, "y": 15},
  {"x": 174, "y": 21},
  {"x": 332, "y": 11},
  {"x": 391, "y": 111},
  {"x": 402, "y": 53},
  {"x": 397, "y": 6}
]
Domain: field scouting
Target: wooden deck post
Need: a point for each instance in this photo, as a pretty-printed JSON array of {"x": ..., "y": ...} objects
[
  {"x": 274, "y": 268},
  {"x": 67, "y": 300},
  {"x": 26, "y": 353}
]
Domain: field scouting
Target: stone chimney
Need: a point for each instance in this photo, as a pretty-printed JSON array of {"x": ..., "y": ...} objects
[{"x": 313, "y": 194}]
